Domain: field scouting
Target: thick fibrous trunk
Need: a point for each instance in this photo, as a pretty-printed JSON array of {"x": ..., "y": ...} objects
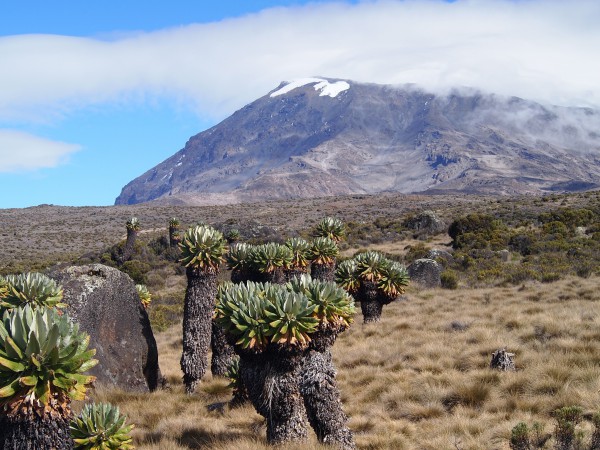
[
  {"x": 290, "y": 274},
  {"x": 33, "y": 432},
  {"x": 271, "y": 380},
  {"x": 320, "y": 392},
  {"x": 222, "y": 352},
  {"x": 173, "y": 237},
  {"x": 275, "y": 277},
  {"x": 322, "y": 400},
  {"x": 198, "y": 309},
  {"x": 239, "y": 276},
  {"x": 370, "y": 301},
  {"x": 240, "y": 396},
  {"x": 323, "y": 272},
  {"x": 129, "y": 245}
]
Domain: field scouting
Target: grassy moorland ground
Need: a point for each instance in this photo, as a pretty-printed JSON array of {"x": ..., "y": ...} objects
[{"x": 420, "y": 379}]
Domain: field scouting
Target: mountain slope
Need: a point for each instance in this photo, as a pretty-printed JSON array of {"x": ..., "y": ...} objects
[{"x": 317, "y": 137}]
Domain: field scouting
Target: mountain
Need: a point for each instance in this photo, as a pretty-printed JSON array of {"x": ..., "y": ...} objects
[{"x": 321, "y": 137}]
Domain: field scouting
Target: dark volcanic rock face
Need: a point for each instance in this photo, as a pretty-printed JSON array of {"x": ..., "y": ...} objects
[
  {"x": 334, "y": 137},
  {"x": 105, "y": 303}
]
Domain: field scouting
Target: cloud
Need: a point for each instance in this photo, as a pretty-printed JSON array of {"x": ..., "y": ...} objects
[
  {"x": 545, "y": 50},
  {"x": 20, "y": 152}
]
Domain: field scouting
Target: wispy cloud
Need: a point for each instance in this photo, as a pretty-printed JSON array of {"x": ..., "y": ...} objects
[
  {"x": 545, "y": 50},
  {"x": 20, "y": 152}
]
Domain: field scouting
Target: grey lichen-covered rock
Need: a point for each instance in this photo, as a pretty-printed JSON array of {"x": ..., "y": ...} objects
[
  {"x": 426, "y": 222},
  {"x": 437, "y": 254},
  {"x": 425, "y": 272},
  {"x": 105, "y": 303},
  {"x": 504, "y": 255}
]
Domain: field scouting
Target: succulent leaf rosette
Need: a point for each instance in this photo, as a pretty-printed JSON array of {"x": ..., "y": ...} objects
[
  {"x": 290, "y": 318},
  {"x": 390, "y": 277},
  {"x": 369, "y": 265},
  {"x": 332, "y": 228},
  {"x": 144, "y": 294},
  {"x": 299, "y": 248},
  {"x": 33, "y": 289},
  {"x": 240, "y": 312},
  {"x": 323, "y": 250},
  {"x": 267, "y": 258},
  {"x": 202, "y": 247},
  {"x": 43, "y": 357},
  {"x": 346, "y": 276},
  {"x": 133, "y": 224},
  {"x": 238, "y": 256},
  {"x": 101, "y": 427},
  {"x": 393, "y": 277},
  {"x": 333, "y": 304},
  {"x": 4, "y": 287},
  {"x": 262, "y": 314}
]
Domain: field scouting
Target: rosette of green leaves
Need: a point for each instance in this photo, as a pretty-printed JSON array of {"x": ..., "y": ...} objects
[
  {"x": 33, "y": 289},
  {"x": 133, "y": 224},
  {"x": 144, "y": 294},
  {"x": 346, "y": 276},
  {"x": 290, "y": 318},
  {"x": 233, "y": 235},
  {"x": 233, "y": 374},
  {"x": 4, "y": 287},
  {"x": 174, "y": 222},
  {"x": 240, "y": 312},
  {"x": 42, "y": 356},
  {"x": 202, "y": 247},
  {"x": 393, "y": 277},
  {"x": 331, "y": 228},
  {"x": 299, "y": 248},
  {"x": 267, "y": 258},
  {"x": 333, "y": 304},
  {"x": 369, "y": 265},
  {"x": 238, "y": 256},
  {"x": 101, "y": 427},
  {"x": 323, "y": 250}
]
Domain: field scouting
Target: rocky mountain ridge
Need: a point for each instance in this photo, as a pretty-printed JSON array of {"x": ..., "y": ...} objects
[{"x": 320, "y": 137}]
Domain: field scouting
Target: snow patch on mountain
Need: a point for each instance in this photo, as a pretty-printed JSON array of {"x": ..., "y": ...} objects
[{"x": 326, "y": 88}]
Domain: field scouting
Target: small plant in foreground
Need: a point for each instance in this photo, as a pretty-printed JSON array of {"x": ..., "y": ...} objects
[
  {"x": 144, "y": 294},
  {"x": 35, "y": 289},
  {"x": 43, "y": 357},
  {"x": 101, "y": 427}
]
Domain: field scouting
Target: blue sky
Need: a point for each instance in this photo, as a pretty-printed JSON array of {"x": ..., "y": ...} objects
[{"x": 93, "y": 94}]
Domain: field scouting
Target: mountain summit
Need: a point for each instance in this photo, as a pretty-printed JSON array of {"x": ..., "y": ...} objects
[{"x": 317, "y": 137}]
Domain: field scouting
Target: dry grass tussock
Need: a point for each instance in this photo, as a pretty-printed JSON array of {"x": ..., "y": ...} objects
[{"x": 420, "y": 379}]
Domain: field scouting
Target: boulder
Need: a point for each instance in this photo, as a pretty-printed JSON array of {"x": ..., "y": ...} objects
[
  {"x": 426, "y": 222},
  {"x": 105, "y": 303},
  {"x": 504, "y": 255},
  {"x": 438, "y": 254},
  {"x": 426, "y": 272}
]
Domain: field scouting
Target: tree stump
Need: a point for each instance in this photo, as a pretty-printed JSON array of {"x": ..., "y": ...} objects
[{"x": 502, "y": 360}]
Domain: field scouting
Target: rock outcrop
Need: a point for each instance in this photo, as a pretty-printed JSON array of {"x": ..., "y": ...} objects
[
  {"x": 105, "y": 303},
  {"x": 426, "y": 222},
  {"x": 425, "y": 272}
]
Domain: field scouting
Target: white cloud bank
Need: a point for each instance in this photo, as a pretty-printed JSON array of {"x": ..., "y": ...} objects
[
  {"x": 24, "y": 152},
  {"x": 545, "y": 50}
]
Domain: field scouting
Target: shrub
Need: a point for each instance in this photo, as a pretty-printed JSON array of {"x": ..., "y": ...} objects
[
  {"x": 137, "y": 270},
  {"x": 449, "y": 279}
]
